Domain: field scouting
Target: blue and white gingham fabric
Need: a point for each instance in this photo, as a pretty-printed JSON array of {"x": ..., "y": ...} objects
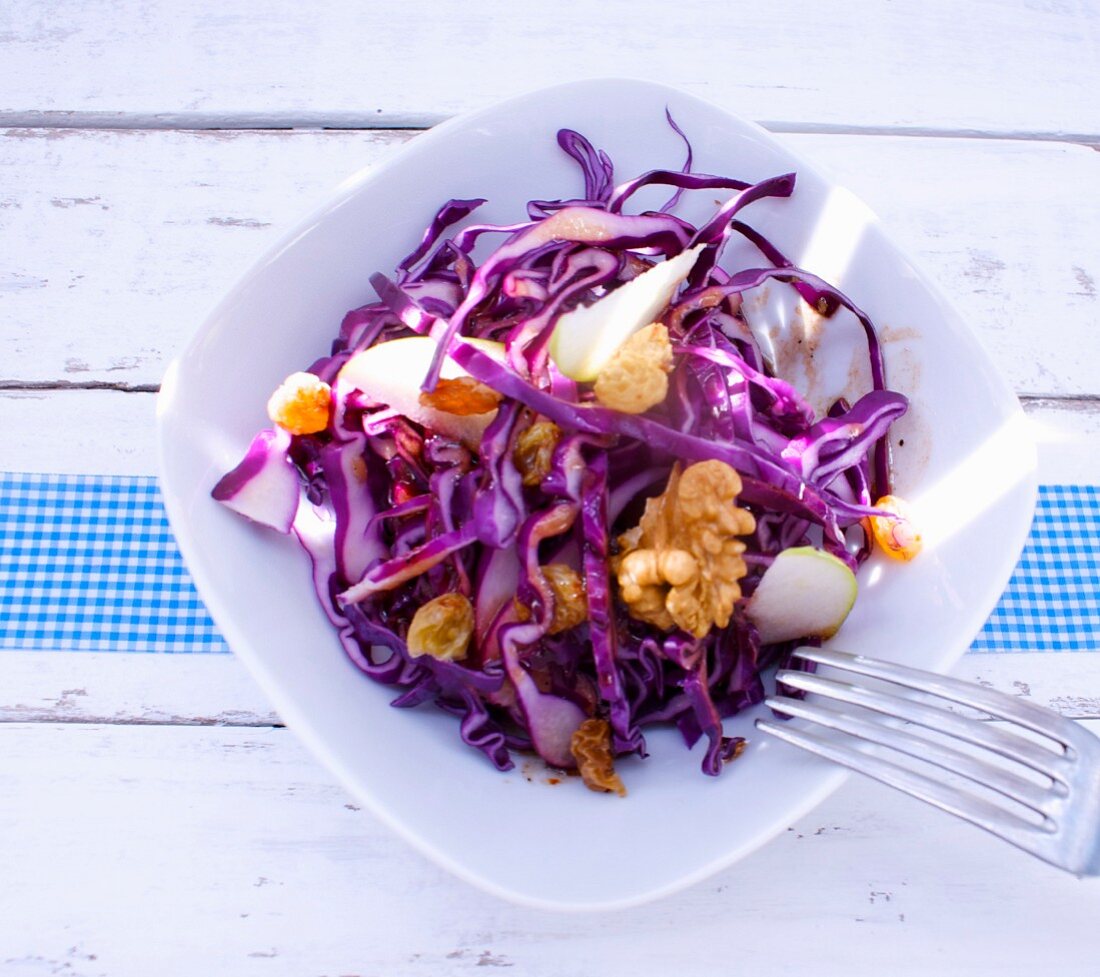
[
  {"x": 1052, "y": 602},
  {"x": 88, "y": 563}
]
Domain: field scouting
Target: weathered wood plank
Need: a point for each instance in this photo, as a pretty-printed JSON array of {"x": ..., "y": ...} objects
[
  {"x": 231, "y": 851},
  {"x": 92, "y": 432},
  {"x": 108, "y": 687},
  {"x": 116, "y": 244},
  {"x": 988, "y": 65},
  {"x": 216, "y": 690},
  {"x": 1067, "y": 438},
  {"x": 126, "y": 240}
]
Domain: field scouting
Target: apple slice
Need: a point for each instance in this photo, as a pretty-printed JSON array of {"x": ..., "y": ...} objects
[
  {"x": 587, "y": 337},
  {"x": 392, "y": 372},
  {"x": 805, "y": 593}
]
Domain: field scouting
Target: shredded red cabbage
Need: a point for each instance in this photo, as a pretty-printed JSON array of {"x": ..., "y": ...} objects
[{"x": 393, "y": 514}]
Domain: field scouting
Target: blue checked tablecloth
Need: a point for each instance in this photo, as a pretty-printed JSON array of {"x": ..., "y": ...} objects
[{"x": 88, "y": 563}]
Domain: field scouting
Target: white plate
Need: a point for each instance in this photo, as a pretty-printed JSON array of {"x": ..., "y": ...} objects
[{"x": 966, "y": 465}]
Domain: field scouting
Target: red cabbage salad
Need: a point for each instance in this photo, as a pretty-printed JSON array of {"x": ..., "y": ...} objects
[{"x": 558, "y": 491}]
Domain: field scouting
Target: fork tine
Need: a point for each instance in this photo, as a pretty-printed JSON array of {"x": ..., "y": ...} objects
[
  {"x": 970, "y": 808},
  {"x": 1004, "y": 782},
  {"x": 931, "y": 717},
  {"x": 995, "y": 703}
]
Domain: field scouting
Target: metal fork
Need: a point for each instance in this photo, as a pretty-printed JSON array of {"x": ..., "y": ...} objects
[{"x": 1065, "y": 827}]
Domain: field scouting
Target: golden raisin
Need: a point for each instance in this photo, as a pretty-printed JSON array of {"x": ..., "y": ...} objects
[
  {"x": 442, "y": 628},
  {"x": 681, "y": 565},
  {"x": 461, "y": 396},
  {"x": 570, "y": 600},
  {"x": 898, "y": 537},
  {"x": 301, "y": 404},
  {"x": 636, "y": 377},
  {"x": 591, "y": 748},
  {"x": 534, "y": 451}
]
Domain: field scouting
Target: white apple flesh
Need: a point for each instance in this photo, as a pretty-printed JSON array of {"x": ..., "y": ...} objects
[
  {"x": 805, "y": 593},
  {"x": 392, "y": 372},
  {"x": 585, "y": 338}
]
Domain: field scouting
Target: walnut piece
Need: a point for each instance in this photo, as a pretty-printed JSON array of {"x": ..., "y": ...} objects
[
  {"x": 570, "y": 599},
  {"x": 591, "y": 748},
  {"x": 301, "y": 404},
  {"x": 534, "y": 451},
  {"x": 681, "y": 565},
  {"x": 636, "y": 377},
  {"x": 462, "y": 396},
  {"x": 442, "y": 628}
]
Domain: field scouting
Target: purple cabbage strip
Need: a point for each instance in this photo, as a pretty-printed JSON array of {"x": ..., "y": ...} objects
[
  {"x": 393, "y": 572},
  {"x": 426, "y": 680},
  {"x": 465, "y": 239},
  {"x": 717, "y": 229},
  {"x": 595, "y": 164},
  {"x": 672, "y": 201},
  {"x": 533, "y": 589},
  {"x": 673, "y": 178},
  {"x": 479, "y": 730},
  {"x": 500, "y": 508},
  {"x": 835, "y": 444},
  {"x": 824, "y": 303},
  {"x": 403, "y": 305},
  {"x": 783, "y": 401},
  {"x": 344, "y": 468},
  {"x": 550, "y": 719},
  {"x": 450, "y": 213},
  {"x": 626, "y": 737}
]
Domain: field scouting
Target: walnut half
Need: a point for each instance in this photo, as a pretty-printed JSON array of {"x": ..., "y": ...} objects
[{"x": 681, "y": 565}]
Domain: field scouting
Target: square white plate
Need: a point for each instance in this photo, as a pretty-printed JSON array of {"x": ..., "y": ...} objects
[{"x": 967, "y": 466}]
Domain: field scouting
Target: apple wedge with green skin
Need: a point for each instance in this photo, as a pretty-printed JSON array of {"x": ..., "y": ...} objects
[
  {"x": 392, "y": 372},
  {"x": 805, "y": 593},
  {"x": 585, "y": 338}
]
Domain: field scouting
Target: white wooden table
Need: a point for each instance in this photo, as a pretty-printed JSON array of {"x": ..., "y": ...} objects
[{"x": 154, "y": 817}]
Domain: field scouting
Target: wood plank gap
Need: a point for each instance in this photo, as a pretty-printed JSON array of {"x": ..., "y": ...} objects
[
  {"x": 117, "y": 386},
  {"x": 929, "y": 132},
  {"x": 1084, "y": 404},
  {"x": 198, "y": 121},
  {"x": 92, "y": 720},
  {"x": 51, "y": 119}
]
